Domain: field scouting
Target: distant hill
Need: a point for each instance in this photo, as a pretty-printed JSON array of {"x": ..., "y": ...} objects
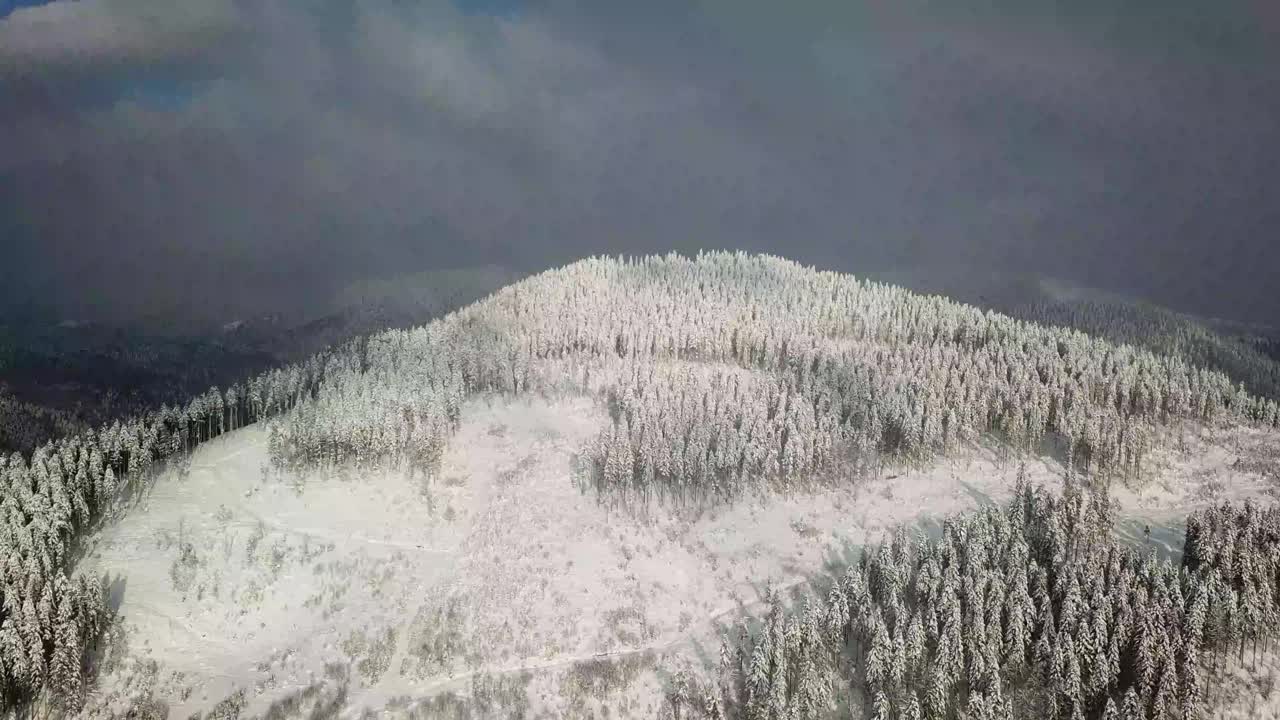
[
  {"x": 62, "y": 374},
  {"x": 1238, "y": 351},
  {"x": 1248, "y": 353}
]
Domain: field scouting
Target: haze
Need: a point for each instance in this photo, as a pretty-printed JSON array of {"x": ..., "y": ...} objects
[{"x": 204, "y": 159}]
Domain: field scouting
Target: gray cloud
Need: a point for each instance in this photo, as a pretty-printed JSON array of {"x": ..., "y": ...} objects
[
  {"x": 95, "y": 37},
  {"x": 313, "y": 146}
]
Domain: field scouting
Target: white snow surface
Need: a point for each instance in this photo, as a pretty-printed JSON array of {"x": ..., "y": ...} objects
[{"x": 237, "y": 578}]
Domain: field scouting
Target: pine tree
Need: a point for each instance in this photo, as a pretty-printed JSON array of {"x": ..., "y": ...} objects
[
  {"x": 1109, "y": 711},
  {"x": 1133, "y": 709},
  {"x": 1072, "y": 686},
  {"x": 879, "y": 657},
  {"x": 881, "y": 708},
  {"x": 758, "y": 691},
  {"x": 711, "y": 708},
  {"x": 105, "y": 490},
  {"x": 46, "y": 612},
  {"x": 838, "y": 615},
  {"x": 938, "y": 699},
  {"x": 915, "y": 647},
  {"x": 913, "y": 709},
  {"x": 813, "y": 692},
  {"x": 1165, "y": 702},
  {"x": 977, "y": 708},
  {"x": 13, "y": 651},
  {"x": 30, "y": 631},
  {"x": 780, "y": 632},
  {"x": 64, "y": 670}
]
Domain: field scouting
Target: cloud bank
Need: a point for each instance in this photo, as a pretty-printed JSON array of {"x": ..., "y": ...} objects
[{"x": 208, "y": 159}]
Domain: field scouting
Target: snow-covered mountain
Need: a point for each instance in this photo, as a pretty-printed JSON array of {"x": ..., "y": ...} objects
[{"x": 556, "y": 501}]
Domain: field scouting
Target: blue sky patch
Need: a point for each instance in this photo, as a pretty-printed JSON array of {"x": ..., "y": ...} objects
[{"x": 8, "y": 6}]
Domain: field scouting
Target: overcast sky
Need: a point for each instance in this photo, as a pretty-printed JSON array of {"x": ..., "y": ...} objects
[{"x": 212, "y": 158}]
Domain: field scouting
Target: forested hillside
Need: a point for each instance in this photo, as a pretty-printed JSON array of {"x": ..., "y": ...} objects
[
  {"x": 25, "y": 426},
  {"x": 725, "y": 373},
  {"x": 1029, "y": 610},
  {"x": 59, "y": 377},
  {"x": 1248, "y": 359},
  {"x": 857, "y": 363}
]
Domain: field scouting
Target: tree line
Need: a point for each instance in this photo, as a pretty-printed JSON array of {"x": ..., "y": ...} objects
[{"x": 1032, "y": 609}]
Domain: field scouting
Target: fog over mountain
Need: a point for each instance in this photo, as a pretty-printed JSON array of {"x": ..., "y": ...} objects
[{"x": 200, "y": 160}]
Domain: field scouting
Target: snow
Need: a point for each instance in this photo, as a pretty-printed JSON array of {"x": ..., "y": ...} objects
[
  {"x": 1247, "y": 690},
  {"x": 499, "y": 572}
]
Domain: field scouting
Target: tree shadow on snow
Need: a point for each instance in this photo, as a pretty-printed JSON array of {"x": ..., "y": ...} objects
[
  {"x": 115, "y": 588},
  {"x": 981, "y": 499}
]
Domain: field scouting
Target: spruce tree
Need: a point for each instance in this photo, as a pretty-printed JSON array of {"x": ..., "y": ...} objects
[
  {"x": 1133, "y": 709},
  {"x": 64, "y": 670}
]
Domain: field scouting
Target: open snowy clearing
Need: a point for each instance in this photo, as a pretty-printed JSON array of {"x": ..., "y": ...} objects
[{"x": 497, "y": 585}]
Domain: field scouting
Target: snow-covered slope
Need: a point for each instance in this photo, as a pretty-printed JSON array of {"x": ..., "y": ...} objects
[
  {"x": 498, "y": 585},
  {"x": 552, "y": 497}
]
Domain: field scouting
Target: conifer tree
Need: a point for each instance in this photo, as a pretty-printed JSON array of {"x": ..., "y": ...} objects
[
  {"x": 881, "y": 708},
  {"x": 65, "y": 672},
  {"x": 1109, "y": 711}
]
